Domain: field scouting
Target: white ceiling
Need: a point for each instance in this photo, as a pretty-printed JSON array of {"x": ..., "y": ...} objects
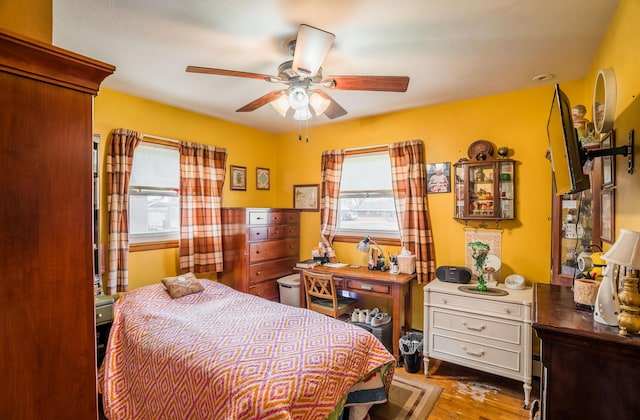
[{"x": 451, "y": 49}]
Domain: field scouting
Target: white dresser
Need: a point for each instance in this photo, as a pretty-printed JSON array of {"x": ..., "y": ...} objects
[{"x": 488, "y": 333}]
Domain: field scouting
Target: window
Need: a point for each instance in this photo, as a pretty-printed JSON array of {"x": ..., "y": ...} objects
[
  {"x": 154, "y": 194},
  {"x": 365, "y": 203}
]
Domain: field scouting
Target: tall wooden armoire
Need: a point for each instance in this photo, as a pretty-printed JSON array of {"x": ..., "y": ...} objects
[{"x": 47, "y": 330}]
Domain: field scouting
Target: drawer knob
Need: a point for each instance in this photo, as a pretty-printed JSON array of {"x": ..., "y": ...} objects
[
  {"x": 99, "y": 315},
  {"x": 473, "y": 328},
  {"x": 257, "y": 273},
  {"x": 508, "y": 311},
  {"x": 473, "y": 353}
]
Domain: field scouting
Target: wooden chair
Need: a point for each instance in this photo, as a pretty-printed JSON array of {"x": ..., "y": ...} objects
[{"x": 320, "y": 290}]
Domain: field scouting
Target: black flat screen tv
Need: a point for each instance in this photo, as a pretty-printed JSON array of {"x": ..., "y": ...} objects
[{"x": 567, "y": 156}]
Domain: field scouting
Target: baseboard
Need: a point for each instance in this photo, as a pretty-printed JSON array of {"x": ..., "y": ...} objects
[{"x": 536, "y": 367}]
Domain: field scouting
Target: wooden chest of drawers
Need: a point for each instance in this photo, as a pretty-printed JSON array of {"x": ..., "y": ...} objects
[
  {"x": 260, "y": 245},
  {"x": 488, "y": 333}
]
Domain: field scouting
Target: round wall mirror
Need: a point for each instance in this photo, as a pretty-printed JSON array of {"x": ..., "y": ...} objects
[{"x": 604, "y": 101}]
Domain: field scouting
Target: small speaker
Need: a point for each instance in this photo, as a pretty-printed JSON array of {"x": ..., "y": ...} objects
[{"x": 453, "y": 274}]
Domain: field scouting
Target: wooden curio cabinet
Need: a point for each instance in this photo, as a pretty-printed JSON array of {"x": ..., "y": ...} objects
[
  {"x": 576, "y": 225},
  {"x": 485, "y": 190}
]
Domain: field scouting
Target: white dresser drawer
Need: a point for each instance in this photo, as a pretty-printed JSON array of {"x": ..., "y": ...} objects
[
  {"x": 491, "y": 333},
  {"x": 479, "y": 305},
  {"x": 503, "y": 331},
  {"x": 478, "y": 355}
]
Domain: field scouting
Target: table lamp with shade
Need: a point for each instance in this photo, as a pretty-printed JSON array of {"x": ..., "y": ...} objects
[
  {"x": 625, "y": 252},
  {"x": 378, "y": 262}
]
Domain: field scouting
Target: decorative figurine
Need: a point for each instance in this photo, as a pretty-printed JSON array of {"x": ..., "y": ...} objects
[
  {"x": 479, "y": 255},
  {"x": 503, "y": 151},
  {"x": 586, "y": 131}
]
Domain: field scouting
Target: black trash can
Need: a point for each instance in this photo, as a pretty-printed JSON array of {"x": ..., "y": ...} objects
[{"x": 411, "y": 351}]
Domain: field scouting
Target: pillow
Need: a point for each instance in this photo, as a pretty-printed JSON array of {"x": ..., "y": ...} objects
[{"x": 182, "y": 285}]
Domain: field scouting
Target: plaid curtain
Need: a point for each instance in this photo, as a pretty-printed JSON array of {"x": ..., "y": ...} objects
[
  {"x": 202, "y": 172},
  {"x": 331, "y": 165},
  {"x": 408, "y": 174},
  {"x": 119, "y": 162}
]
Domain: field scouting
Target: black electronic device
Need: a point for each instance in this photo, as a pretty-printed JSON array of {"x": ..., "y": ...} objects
[
  {"x": 567, "y": 155},
  {"x": 452, "y": 274}
]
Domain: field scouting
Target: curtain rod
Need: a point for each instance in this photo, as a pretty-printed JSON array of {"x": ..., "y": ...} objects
[
  {"x": 151, "y": 136},
  {"x": 358, "y": 150}
]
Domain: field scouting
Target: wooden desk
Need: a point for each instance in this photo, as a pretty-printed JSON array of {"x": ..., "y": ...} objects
[
  {"x": 363, "y": 281},
  {"x": 589, "y": 370}
]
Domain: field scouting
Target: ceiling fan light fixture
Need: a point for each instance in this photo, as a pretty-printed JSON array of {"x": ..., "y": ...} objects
[
  {"x": 318, "y": 103},
  {"x": 298, "y": 98},
  {"x": 302, "y": 114},
  {"x": 281, "y": 104},
  {"x": 312, "y": 46}
]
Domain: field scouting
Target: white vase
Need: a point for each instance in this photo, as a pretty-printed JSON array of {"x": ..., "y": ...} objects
[{"x": 607, "y": 305}]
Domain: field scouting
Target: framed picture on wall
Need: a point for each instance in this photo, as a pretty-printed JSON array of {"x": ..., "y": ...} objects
[
  {"x": 306, "y": 197},
  {"x": 607, "y": 215},
  {"x": 262, "y": 179},
  {"x": 608, "y": 162},
  {"x": 238, "y": 178},
  {"x": 439, "y": 177}
]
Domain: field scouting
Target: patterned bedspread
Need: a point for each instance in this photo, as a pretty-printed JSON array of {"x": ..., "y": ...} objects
[{"x": 222, "y": 354}]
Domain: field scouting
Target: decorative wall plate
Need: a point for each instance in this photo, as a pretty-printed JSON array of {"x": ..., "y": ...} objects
[
  {"x": 480, "y": 150},
  {"x": 493, "y": 261}
]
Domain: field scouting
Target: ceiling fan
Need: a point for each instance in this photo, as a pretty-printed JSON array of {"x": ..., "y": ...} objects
[{"x": 303, "y": 97}]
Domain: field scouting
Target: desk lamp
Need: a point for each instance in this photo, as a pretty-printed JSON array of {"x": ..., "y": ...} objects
[
  {"x": 365, "y": 246},
  {"x": 626, "y": 253}
]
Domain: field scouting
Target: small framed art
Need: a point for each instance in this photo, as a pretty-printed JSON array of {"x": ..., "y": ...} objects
[
  {"x": 306, "y": 197},
  {"x": 238, "y": 178},
  {"x": 439, "y": 177},
  {"x": 608, "y": 162},
  {"x": 607, "y": 215},
  {"x": 262, "y": 179}
]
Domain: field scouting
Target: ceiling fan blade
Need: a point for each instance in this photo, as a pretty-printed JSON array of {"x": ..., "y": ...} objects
[
  {"x": 334, "y": 110},
  {"x": 261, "y": 101},
  {"x": 374, "y": 83},
  {"x": 222, "y": 72},
  {"x": 312, "y": 46}
]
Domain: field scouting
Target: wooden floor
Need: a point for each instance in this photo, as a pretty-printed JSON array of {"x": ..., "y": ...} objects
[{"x": 469, "y": 394}]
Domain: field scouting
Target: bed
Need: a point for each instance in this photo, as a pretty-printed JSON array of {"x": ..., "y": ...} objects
[{"x": 225, "y": 354}]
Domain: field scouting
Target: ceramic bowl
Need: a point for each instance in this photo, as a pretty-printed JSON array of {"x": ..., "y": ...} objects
[{"x": 514, "y": 281}]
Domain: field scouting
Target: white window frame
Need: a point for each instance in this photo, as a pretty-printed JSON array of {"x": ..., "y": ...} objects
[
  {"x": 385, "y": 192},
  {"x": 138, "y": 239}
]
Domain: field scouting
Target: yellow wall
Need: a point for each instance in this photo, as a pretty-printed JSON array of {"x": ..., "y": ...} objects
[
  {"x": 514, "y": 119},
  {"x": 619, "y": 51},
  {"x": 114, "y": 110},
  {"x": 447, "y": 130},
  {"x": 33, "y": 18}
]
